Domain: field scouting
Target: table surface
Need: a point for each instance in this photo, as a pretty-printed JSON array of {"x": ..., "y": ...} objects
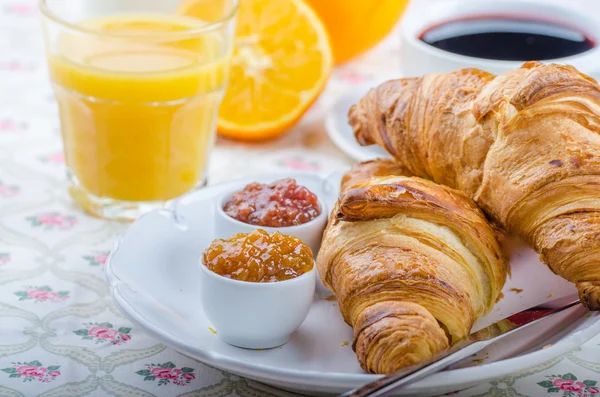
[{"x": 60, "y": 334}]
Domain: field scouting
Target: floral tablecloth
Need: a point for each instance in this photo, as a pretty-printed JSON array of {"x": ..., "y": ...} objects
[{"x": 60, "y": 334}]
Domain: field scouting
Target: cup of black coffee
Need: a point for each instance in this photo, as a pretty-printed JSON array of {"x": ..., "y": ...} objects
[{"x": 497, "y": 36}]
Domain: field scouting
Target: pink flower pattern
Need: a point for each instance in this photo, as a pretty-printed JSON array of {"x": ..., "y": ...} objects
[
  {"x": 570, "y": 386},
  {"x": 53, "y": 220},
  {"x": 103, "y": 333},
  {"x": 4, "y": 258},
  {"x": 9, "y": 125},
  {"x": 17, "y": 66},
  {"x": 56, "y": 158},
  {"x": 19, "y": 9},
  {"x": 33, "y": 370},
  {"x": 8, "y": 191},
  {"x": 353, "y": 77},
  {"x": 300, "y": 164},
  {"x": 42, "y": 294},
  {"x": 167, "y": 373},
  {"x": 97, "y": 259}
]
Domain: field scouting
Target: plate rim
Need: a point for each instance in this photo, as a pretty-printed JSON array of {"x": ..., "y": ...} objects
[
  {"x": 319, "y": 379},
  {"x": 333, "y": 131}
]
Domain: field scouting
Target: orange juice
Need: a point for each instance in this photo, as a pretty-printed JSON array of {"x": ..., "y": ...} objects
[{"x": 137, "y": 110}]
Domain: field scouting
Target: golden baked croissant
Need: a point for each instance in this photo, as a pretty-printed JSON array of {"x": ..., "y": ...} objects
[
  {"x": 362, "y": 172},
  {"x": 524, "y": 145},
  {"x": 413, "y": 264}
]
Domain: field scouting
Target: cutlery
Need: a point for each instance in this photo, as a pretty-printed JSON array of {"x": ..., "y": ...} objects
[{"x": 464, "y": 348}]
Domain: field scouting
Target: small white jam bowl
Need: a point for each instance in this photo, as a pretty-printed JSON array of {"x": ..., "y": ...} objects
[
  {"x": 310, "y": 232},
  {"x": 255, "y": 315}
]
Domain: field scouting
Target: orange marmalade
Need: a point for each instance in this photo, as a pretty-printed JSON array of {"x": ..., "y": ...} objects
[{"x": 259, "y": 257}]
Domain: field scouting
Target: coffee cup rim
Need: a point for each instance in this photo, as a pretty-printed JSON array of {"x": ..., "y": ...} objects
[{"x": 413, "y": 28}]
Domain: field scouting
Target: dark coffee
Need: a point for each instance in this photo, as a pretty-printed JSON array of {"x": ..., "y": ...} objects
[{"x": 507, "y": 39}]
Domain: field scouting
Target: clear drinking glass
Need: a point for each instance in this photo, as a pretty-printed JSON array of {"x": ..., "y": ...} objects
[{"x": 138, "y": 88}]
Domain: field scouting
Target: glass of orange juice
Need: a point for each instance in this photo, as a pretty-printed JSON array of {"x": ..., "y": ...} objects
[{"x": 138, "y": 89}]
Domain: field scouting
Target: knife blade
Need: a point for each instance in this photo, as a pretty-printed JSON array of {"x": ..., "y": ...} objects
[{"x": 464, "y": 348}]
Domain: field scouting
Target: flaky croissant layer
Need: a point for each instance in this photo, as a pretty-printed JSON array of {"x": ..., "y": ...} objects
[
  {"x": 413, "y": 265},
  {"x": 524, "y": 145}
]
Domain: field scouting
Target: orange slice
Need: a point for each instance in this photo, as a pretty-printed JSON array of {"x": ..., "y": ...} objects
[{"x": 281, "y": 62}]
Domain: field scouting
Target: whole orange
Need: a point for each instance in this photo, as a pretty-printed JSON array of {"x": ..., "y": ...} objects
[{"x": 354, "y": 26}]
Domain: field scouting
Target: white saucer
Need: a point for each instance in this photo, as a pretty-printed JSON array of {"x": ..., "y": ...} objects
[
  {"x": 340, "y": 132},
  {"x": 153, "y": 276}
]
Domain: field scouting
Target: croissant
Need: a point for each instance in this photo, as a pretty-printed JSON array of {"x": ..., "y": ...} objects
[
  {"x": 362, "y": 172},
  {"x": 525, "y": 145},
  {"x": 412, "y": 263}
]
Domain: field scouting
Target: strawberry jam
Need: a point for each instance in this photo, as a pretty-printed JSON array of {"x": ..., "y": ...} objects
[{"x": 281, "y": 203}]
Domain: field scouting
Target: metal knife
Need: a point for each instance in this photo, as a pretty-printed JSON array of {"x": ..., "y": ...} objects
[{"x": 464, "y": 348}]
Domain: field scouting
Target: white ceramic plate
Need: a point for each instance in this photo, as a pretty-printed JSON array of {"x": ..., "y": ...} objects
[
  {"x": 340, "y": 132},
  {"x": 153, "y": 276}
]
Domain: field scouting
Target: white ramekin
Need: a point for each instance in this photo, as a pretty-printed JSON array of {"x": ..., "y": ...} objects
[
  {"x": 310, "y": 232},
  {"x": 255, "y": 315}
]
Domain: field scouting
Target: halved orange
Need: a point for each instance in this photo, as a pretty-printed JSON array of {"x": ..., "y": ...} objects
[{"x": 281, "y": 62}]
